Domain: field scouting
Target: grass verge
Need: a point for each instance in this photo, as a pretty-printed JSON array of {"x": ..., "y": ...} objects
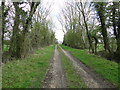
[
  {"x": 28, "y": 72},
  {"x": 107, "y": 69},
  {"x": 72, "y": 78}
]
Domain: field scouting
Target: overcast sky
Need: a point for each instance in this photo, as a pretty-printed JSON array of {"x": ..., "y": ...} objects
[{"x": 54, "y": 13}]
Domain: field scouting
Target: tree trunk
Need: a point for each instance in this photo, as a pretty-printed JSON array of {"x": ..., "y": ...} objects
[
  {"x": 118, "y": 37},
  {"x": 101, "y": 13},
  {"x": 15, "y": 37},
  {"x": 114, "y": 20},
  {"x": 17, "y": 45},
  {"x": 104, "y": 33},
  {"x": 96, "y": 42},
  {"x": 3, "y": 24},
  {"x": 88, "y": 35},
  {"x": 1, "y": 36},
  {"x": 83, "y": 39},
  {"x": 26, "y": 28}
]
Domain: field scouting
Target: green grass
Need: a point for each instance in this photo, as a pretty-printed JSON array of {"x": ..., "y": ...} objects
[
  {"x": 28, "y": 72},
  {"x": 107, "y": 69},
  {"x": 72, "y": 78}
]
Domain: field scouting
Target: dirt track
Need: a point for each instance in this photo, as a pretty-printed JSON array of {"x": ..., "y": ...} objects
[
  {"x": 55, "y": 76},
  {"x": 91, "y": 79}
]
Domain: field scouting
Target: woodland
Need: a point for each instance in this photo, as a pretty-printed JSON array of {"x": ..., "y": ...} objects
[
  {"x": 24, "y": 30},
  {"x": 94, "y": 26},
  {"x": 32, "y": 56},
  {"x": 89, "y": 25}
]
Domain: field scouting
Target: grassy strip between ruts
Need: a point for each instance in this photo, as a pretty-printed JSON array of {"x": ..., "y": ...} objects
[
  {"x": 28, "y": 72},
  {"x": 107, "y": 69},
  {"x": 72, "y": 78}
]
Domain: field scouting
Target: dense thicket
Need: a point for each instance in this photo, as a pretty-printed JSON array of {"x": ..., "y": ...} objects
[
  {"x": 25, "y": 28},
  {"x": 88, "y": 25}
]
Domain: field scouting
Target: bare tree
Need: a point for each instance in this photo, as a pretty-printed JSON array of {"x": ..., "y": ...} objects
[{"x": 1, "y": 35}]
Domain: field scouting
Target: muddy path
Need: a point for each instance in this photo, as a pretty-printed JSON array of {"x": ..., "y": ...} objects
[
  {"x": 91, "y": 79},
  {"x": 55, "y": 77}
]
